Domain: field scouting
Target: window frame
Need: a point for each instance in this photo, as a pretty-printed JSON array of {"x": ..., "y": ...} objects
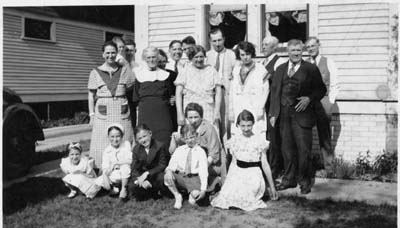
[
  {"x": 282, "y": 46},
  {"x": 210, "y": 7},
  {"x": 52, "y": 29}
]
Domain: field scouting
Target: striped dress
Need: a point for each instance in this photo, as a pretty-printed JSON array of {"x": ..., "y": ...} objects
[{"x": 111, "y": 106}]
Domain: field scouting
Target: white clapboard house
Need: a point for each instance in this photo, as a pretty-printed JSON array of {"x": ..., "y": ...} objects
[
  {"x": 357, "y": 35},
  {"x": 47, "y": 57}
]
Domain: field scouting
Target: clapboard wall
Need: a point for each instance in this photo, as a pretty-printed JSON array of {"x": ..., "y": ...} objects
[
  {"x": 170, "y": 22},
  {"x": 357, "y": 37},
  {"x": 46, "y": 71}
]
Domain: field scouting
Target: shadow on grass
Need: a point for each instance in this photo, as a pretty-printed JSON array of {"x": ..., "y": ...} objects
[
  {"x": 367, "y": 221},
  {"x": 32, "y": 191},
  {"x": 42, "y": 157},
  {"x": 369, "y": 216}
]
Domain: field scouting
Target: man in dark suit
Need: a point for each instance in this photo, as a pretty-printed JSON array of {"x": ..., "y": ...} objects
[
  {"x": 296, "y": 86},
  {"x": 149, "y": 160}
]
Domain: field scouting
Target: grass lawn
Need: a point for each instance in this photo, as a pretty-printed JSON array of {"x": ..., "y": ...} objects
[{"x": 42, "y": 202}]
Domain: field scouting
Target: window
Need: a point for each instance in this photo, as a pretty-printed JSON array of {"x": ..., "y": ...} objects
[
  {"x": 38, "y": 29},
  {"x": 232, "y": 20},
  {"x": 110, "y": 35},
  {"x": 287, "y": 22}
]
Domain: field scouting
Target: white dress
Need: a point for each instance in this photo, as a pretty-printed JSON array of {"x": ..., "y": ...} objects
[
  {"x": 81, "y": 176},
  {"x": 250, "y": 95},
  {"x": 243, "y": 187}
]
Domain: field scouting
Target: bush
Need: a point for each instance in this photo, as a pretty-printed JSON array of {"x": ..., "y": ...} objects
[
  {"x": 363, "y": 164},
  {"x": 343, "y": 169},
  {"x": 385, "y": 163},
  {"x": 79, "y": 118},
  {"x": 382, "y": 168}
]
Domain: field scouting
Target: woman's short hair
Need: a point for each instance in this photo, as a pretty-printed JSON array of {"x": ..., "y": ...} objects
[
  {"x": 194, "y": 107},
  {"x": 174, "y": 42},
  {"x": 139, "y": 128},
  {"x": 188, "y": 129},
  {"x": 245, "y": 115},
  {"x": 149, "y": 49},
  {"x": 109, "y": 43},
  {"x": 246, "y": 47},
  {"x": 192, "y": 51}
]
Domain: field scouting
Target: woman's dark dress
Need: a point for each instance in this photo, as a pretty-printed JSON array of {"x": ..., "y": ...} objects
[{"x": 153, "y": 98}]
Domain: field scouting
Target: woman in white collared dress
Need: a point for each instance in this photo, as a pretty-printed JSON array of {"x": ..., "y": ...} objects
[
  {"x": 249, "y": 88},
  {"x": 152, "y": 93}
]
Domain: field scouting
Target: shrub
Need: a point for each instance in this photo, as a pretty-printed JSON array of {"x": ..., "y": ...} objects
[
  {"x": 363, "y": 164},
  {"x": 385, "y": 163},
  {"x": 79, "y": 118},
  {"x": 343, "y": 169}
]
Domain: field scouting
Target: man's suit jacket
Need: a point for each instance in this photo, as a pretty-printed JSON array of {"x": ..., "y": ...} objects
[
  {"x": 311, "y": 85},
  {"x": 154, "y": 163}
]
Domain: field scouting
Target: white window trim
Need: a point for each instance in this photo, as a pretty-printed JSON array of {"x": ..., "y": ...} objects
[{"x": 52, "y": 30}]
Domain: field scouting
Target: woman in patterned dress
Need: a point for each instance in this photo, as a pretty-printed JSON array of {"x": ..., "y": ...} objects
[
  {"x": 107, "y": 100},
  {"x": 198, "y": 83},
  {"x": 152, "y": 93},
  {"x": 244, "y": 185}
]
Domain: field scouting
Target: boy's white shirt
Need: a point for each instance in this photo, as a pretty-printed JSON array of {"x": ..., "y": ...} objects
[{"x": 199, "y": 163}]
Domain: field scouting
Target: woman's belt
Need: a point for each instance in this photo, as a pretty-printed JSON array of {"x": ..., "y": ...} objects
[{"x": 243, "y": 164}]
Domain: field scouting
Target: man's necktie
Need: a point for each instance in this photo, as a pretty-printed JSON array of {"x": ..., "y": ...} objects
[
  {"x": 292, "y": 71},
  {"x": 217, "y": 63},
  {"x": 188, "y": 166}
]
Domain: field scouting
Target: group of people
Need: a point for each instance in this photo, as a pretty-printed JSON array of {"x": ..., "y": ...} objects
[{"x": 203, "y": 121}]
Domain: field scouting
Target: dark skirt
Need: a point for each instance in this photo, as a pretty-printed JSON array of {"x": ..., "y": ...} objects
[{"x": 155, "y": 113}]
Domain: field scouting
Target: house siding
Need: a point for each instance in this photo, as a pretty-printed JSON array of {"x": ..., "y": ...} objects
[
  {"x": 41, "y": 71},
  {"x": 356, "y": 36},
  {"x": 170, "y": 22}
]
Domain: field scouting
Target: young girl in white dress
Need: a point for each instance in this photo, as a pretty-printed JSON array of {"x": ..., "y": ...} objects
[
  {"x": 116, "y": 162},
  {"x": 79, "y": 172},
  {"x": 244, "y": 185}
]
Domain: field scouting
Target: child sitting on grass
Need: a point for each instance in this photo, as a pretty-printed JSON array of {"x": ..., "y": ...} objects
[
  {"x": 187, "y": 169},
  {"x": 116, "y": 164},
  {"x": 150, "y": 157},
  {"x": 80, "y": 174}
]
